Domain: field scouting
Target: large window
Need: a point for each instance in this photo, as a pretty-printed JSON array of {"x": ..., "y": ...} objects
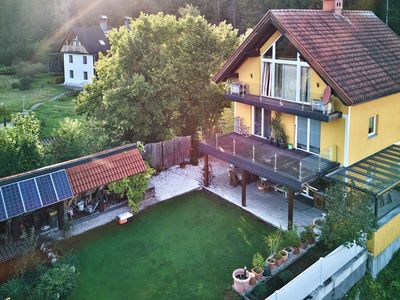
[
  {"x": 85, "y": 75},
  {"x": 71, "y": 74},
  {"x": 71, "y": 59},
  {"x": 308, "y": 135},
  {"x": 84, "y": 59},
  {"x": 285, "y": 74},
  {"x": 262, "y": 122}
]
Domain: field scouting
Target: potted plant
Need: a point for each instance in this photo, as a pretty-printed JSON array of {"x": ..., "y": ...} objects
[
  {"x": 258, "y": 266},
  {"x": 278, "y": 258},
  {"x": 276, "y": 142},
  {"x": 310, "y": 234},
  {"x": 241, "y": 280},
  {"x": 292, "y": 241},
  {"x": 52, "y": 218},
  {"x": 274, "y": 242},
  {"x": 284, "y": 254},
  {"x": 279, "y": 131},
  {"x": 303, "y": 240}
]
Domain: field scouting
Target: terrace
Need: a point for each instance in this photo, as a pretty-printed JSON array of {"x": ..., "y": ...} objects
[{"x": 291, "y": 169}]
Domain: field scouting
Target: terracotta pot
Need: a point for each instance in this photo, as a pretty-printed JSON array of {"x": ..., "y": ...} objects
[
  {"x": 253, "y": 280},
  {"x": 241, "y": 285},
  {"x": 303, "y": 244},
  {"x": 296, "y": 250},
  {"x": 271, "y": 263},
  {"x": 278, "y": 262},
  {"x": 258, "y": 276},
  {"x": 285, "y": 255}
]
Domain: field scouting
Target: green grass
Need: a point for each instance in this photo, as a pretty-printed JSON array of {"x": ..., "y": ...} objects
[
  {"x": 186, "y": 248},
  {"x": 43, "y": 88},
  {"x": 52, "y": 113}
]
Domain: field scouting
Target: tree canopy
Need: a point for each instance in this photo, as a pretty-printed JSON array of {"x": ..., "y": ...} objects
[{"x": 156, "y": 79}]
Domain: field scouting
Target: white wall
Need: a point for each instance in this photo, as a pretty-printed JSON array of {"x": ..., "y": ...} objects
[{"x": 78, "y": 67}]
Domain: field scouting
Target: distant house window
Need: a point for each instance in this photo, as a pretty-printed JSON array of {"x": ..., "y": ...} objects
[
  {"x": 71, "y": 59},
  {"x": 85, "y": 76},
  {"x": 71, "y": 74},
  {"x": 85, "y": 60},
  {"x": 372, "y": 126},
  {"x": 102, "y": 42}
]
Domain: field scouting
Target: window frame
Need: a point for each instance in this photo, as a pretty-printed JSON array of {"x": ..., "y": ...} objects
[
  {"x": 85, "y": 75},
  {"x": 374, "y": 126},
  {"x": 273, "y": 61},
  {"x": 71, "y": 74},
  {"x": 84, "y": 59},
  {"x": 71, "y": 59}
]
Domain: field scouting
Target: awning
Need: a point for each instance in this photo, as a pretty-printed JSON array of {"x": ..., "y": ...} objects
[{"x": 375, "y": 174}]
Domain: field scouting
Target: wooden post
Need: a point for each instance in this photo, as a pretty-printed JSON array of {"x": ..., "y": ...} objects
[
  {"x": 206, "y": 179},
  {"x": 290, "y": 196},
  {"x": 244, "y": 184},
  {"x": 60, "y": 215}
]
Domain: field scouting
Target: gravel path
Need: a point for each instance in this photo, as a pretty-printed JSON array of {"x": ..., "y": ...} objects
[{"x": 36, "y": 105}]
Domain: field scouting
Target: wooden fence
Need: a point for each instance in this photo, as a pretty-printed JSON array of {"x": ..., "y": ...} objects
[{"x": 169, "y": 153}]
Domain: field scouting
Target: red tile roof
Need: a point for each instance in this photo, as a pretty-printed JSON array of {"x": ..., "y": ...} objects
[
  {"x": 102, "y": 171},
  {"x": 356, "y": 54}
]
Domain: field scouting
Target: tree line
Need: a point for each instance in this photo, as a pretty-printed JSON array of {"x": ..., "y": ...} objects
[{"x": 29, "y": 30}]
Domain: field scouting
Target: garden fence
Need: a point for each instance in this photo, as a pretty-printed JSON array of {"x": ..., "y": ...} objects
[
  {"x": 315, "y": 275},
  {"x": 166, "y": 154}
]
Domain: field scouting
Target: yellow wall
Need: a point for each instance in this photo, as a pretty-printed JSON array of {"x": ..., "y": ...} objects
[
  {"x": 388, "y": 126},
  {"x": 384, "y": 236},
  {"x": 332, "y": 134}
]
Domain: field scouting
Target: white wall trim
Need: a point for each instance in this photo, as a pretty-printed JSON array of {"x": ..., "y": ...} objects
[{"x": 346, "y": 138}]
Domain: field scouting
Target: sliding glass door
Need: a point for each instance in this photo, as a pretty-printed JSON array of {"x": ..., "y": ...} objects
[
  {"x": 308, "y": 135},
  {"x": 261, "y": 122}
]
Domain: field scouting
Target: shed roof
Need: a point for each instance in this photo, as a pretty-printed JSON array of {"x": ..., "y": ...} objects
[
  {"x": 85, "y": 177},
  {"x": 355, "y": 53}
]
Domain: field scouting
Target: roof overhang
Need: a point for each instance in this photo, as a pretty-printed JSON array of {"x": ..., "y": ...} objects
[{"x": 260, "y": 34}]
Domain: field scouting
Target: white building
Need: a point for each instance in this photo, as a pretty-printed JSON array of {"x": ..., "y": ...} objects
[{"x": 80, "y": 50}]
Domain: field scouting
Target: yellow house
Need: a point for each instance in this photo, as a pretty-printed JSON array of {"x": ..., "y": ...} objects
[{"x": 333, "y": 78}]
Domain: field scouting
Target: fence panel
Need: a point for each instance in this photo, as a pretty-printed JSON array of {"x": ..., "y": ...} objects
[
  {"x": 166, "y": 154},
  {"x": 315, "y": 275}
]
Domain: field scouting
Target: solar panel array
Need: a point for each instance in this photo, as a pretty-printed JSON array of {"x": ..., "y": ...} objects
[{"x": 31, "y": 194}]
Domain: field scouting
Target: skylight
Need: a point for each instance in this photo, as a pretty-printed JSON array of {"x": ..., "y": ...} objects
[{"x": 102, "y": 42}]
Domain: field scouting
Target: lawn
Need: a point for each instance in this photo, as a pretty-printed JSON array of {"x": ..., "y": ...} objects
[
  {"x": 185, "y": 248},
  {"x": 43, "y": 88},
  {"x": 52, "y": 113}
]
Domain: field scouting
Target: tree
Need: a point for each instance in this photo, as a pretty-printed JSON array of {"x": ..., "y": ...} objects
[
  {"x": 20, "y": 147},
  {"x": 74, "y": 139},
  {"x": 156, "y": 79},
  {"x": 350, "y": 217}
]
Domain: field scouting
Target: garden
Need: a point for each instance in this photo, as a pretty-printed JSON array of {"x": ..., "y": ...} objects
[{"x": 185, "y": 247}]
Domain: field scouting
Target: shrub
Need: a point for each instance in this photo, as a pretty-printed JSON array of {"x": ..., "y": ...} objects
[
  {"x": 57, "y": 282},
  {"x": 274, "y": 242},
  {"x": 132, "y": 187},
  {"x": 25, "y": 83},
  {"x": 7, "y": 70},
  {"x": 15, "y": 85},
  {"x": 24, "y": 68},
  {"x": 59, "y": 79},
  {"x": 291, "y": 238}
]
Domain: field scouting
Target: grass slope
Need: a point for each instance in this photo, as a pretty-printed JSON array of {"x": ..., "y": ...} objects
[
  {"x": 43, "y": 88},
  {"x": 185, "y": 248},
  {"x": 52, "y": 113}
]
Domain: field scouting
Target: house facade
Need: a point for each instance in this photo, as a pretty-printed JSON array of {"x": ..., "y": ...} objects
[
  {"x": 333, "y": 78},
  {"x": 80, "y": 51}
]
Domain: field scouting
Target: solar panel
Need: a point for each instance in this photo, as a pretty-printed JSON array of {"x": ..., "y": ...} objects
[
  {"x": 61, "y": 184},
  {"x": 3, "y": 215},
  {"x": 30, "y": 195},
  {"x": 46, "y": 189},
  {"x": 12, "y": 200}
]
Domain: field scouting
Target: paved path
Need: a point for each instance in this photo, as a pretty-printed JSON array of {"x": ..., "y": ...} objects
[{"x": 36, "y": 105}]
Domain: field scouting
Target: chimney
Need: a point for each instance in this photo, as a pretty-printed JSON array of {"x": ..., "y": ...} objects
[
  {"x": 127, "y": 22},
  {"x": 333, "y": 5},
  {"x": 103, "y": 23}
]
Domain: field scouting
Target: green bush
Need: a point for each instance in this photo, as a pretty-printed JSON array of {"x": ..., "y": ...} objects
[
  {"x": 59, "y": 79},
  {"x": 7, "y": 70},
  {"x": 15, "y": 85},
  {"x": 25, "y": 83},
  {"x": 24, "y": 68},
  {"x": 258, "y": 262}
]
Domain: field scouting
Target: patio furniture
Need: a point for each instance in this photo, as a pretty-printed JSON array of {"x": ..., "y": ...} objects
[
  {"x": 319, "y": 200},
  {"x": 264, "y": 185},
  {"x": 124, "y": 218}
]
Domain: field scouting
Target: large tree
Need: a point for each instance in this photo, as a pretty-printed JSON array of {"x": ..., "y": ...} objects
[
  {"x": 156, "y": 79},
  {"x": 20, "y": 148}
]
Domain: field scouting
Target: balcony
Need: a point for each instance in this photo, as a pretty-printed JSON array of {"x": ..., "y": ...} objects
[
  {"x": 238, "y": 92},
  {"x": 290, "y": 168}
]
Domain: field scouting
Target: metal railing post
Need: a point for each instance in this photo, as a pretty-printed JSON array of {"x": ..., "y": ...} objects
[
  {"x": 275, "y": 156},
  {"x": 234, "y": 147},
  {"x": 300, "y": 164},
  {"x": 216, "y": 140},
  {"x": 254, "y": 150}
]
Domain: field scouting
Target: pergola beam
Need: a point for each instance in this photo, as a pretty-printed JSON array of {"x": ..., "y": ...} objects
[{"x": 290, "y": 196}]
